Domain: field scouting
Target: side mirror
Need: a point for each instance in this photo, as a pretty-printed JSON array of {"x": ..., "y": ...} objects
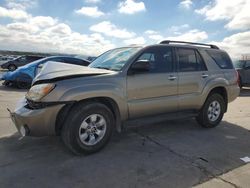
[{"x": 140, "y": 66}]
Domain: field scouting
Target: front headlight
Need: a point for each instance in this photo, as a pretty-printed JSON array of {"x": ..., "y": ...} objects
[{"x": 37, "y": 92}]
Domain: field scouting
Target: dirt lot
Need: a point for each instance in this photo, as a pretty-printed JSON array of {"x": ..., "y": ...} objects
[{"x": 170, "y": 154}]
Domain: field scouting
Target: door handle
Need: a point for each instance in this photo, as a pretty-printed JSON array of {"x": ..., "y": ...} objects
[
  {"x": 204, "y": 75},
  {"x": 172, "y": 77}
]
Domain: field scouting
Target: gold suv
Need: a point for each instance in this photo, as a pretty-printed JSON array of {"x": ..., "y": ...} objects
[{"x": 125, "y": 86}]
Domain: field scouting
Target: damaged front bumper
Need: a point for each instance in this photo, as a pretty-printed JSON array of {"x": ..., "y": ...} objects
[{"x": 35, "y": 122}]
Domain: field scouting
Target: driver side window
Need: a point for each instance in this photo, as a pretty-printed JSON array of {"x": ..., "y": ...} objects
[{"x": 161, "y": 59}]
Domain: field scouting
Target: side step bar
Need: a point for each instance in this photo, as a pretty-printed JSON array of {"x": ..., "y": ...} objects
[{"x": 159, "y": 118}]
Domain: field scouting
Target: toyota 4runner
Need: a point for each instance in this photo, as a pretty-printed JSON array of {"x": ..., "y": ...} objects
[{"x": 125, "y": 86}]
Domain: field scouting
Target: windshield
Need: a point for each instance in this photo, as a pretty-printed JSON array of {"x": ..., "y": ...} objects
[
  {"x": 33, "y": 63},
  {"x": 238, "y": 64},
  {"x": 114, "y": 59}
]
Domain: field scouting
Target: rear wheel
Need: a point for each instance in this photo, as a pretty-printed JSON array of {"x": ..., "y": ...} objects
[
  {"x": 212, "y": 111},
  {"x": 12, "y": 67},
  {"x": 88, "y": 128}
]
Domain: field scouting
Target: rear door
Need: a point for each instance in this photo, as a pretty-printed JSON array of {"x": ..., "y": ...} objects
[
  {"x": 155, "y": 91},
  {"x": 192, "y": 77}
]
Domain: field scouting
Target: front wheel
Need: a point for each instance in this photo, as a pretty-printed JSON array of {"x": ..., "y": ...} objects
[
  {"x": 6, "y": 83},
  {"x": 12, "y": 67},
  {"x": 88, "y": 128},
  {"x": 212, "y": 111}
]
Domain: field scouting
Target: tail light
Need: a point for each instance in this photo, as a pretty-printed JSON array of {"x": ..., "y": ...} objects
[{"x": 238, "y": 77}]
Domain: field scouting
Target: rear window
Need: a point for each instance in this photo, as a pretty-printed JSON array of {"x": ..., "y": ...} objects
[{"x": 221, "y": 59}]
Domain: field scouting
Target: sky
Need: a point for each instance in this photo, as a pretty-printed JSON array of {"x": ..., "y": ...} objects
[{"x": 90, "y": 27}]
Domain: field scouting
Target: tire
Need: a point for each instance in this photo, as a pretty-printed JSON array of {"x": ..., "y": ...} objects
[
  {"x": 81, "y": 122},
  {"x": 12, "y": 67},
  {"x": 212, "y": 111},
  {"x": 6, "y": 83}
]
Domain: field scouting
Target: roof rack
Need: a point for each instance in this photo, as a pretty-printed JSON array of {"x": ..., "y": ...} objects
[{"x": 192, "y": 43}]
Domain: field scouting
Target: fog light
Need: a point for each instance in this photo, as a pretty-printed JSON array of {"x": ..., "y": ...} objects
[{"x": 24, "y": 130}]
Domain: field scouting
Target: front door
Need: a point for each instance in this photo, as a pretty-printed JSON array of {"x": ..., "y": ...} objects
[{"x": 154, "y": 91}]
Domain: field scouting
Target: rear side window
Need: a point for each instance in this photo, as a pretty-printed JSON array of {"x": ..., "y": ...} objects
[
  {"x": 190, "y": 60},
  {"x": 221, "y": 59}
]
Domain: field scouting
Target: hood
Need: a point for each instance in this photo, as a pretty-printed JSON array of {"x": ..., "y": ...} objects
[{"x": 59, "y": 71}]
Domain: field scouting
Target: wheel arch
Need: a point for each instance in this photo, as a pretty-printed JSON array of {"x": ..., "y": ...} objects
[
  {"x": 12, "y": 64},
  {"x": 109, "y": 102},
  {"x": 222, "y": 91}
]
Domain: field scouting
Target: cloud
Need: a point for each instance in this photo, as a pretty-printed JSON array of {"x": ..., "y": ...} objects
[
  {"x": 235, "y": 12},
  {"x": 90, "y": 11},
  {"x": 22, "y": 27},
  {"x": 179, "y": 33},
  {"x": 186, "y": 4},
  {"x": 236, "y": 44},
  {"x": 33, "y": 24},
  {"x": 21, "y": 4},
  {"x": 178, "y": 28},
  {"x": 47, "y": 34},
  {"x": 193, "y": 35},
  {"x": 109, "y": 29},
  {"x": 92, "y": 1},
  {"x": 137, "y": 40},
  {"x": 131, "y": 7},
  {"x": 156, "y": 37},
  {"x": 60, "y": 29},
  {"x": 42, "y": 21},
  {"x": 151, "y": 32},
  {"x": 13, "y": 13}
]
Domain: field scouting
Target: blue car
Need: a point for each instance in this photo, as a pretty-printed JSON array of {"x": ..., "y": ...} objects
[{"x": 23, "y": 76}]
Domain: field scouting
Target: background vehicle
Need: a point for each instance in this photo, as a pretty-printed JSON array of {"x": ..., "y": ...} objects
[
  {"x": 125, "y": 86},
  {"x": 4, "y": 59},
  {"x": 243, "y": 68},
  {"x": 20, "y": 61},
  {"x": 23, "y": 76}
]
